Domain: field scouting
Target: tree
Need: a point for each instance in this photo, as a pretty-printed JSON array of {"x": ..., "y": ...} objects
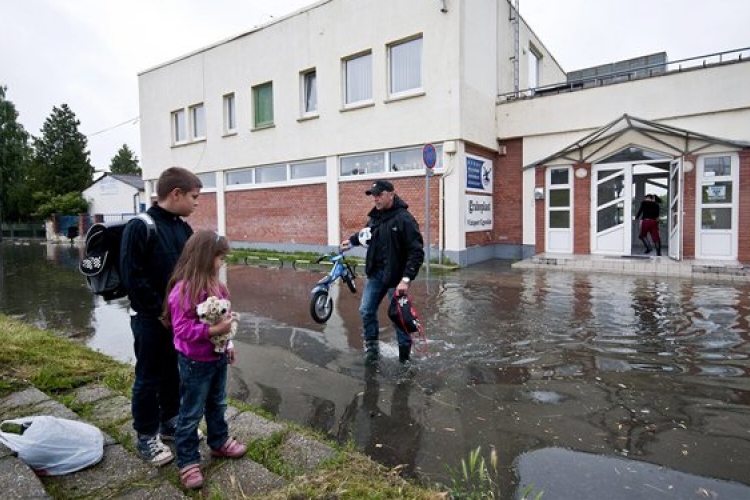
[
  {"x": 125, "y": 162},
  {"x": 15, "y": 153},
  {"x": 61, "y": 160}
]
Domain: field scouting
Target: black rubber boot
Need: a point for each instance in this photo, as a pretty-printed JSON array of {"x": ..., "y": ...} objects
[
  {"x": 658, "y": 248},
  {"x": 646, "y": 245},
  {"x": 404, "y": 353},
  {"x": 372, "y": 352}
]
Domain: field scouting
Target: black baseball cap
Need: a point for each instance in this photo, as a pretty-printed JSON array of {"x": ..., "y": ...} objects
[{"x": 378, "y": 187}]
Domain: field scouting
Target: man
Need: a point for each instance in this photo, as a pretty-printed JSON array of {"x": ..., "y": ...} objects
[
  {"x": 394, "y": 255},
  {"x": 145, "y": 267},
  {"x": 649, "y": 213}
]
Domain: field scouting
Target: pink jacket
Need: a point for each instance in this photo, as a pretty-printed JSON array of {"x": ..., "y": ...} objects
[{"x": 190, "y": 335}]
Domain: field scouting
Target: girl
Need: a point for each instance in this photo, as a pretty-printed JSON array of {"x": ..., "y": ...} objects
[{"x": 203, "y": 372}]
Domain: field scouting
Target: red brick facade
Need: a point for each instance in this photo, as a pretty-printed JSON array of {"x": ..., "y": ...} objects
[
  {"x": 204, "y": 216},
  {"x": 743, "y": 232},
  {"x": 581, "y": 210},
  {"x": 507, "y": 196},
  {"x": 296, "y": 215},
  {"x": 688, "y": 210},
  {"x": 355, "y": 205}
]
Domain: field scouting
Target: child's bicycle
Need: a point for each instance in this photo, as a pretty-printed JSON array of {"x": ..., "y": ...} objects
[{"x": 321, "y": 303}]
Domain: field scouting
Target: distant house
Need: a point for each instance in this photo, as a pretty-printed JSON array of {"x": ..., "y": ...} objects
[{"x": 116, "y": 194}]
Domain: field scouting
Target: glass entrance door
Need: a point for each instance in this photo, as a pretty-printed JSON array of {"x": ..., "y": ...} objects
[{"x": 611, "y": 219}]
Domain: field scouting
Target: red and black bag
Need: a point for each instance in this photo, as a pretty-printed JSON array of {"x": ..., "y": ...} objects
[{"x": 402, "y": 312}]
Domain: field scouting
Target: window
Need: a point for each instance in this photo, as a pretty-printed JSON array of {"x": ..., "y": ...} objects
[
  {"x": 230, "y": 116},
  {"x": 208, "y": 180},
  {"x": 179, "y": 131},
  {"x": 717, "y": 193},
  {"x": 198, "y": 121},
  {"x": 406, "y": 66},
  {"x": 559, "y": 203},
  {"x": 309, "y": 93},
  {"x": 244, "y": 176},
  {"x": 358, "y": 79},
  {"x": 304, "y": 170},
  {"x": 263, "y": 105},
  {"x": 363, "y": 164},
  {"x": 270, "y": 173},
  {"x": 534, "y": 62},
  {"x": 410, "y": 159},
  {"x": 397, "y": 160}
]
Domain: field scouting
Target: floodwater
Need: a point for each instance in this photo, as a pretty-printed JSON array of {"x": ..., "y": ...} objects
[{"x": 587, "y": 385}]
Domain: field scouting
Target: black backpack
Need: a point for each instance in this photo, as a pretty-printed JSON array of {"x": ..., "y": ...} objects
[{"x": 101, "y": 265}]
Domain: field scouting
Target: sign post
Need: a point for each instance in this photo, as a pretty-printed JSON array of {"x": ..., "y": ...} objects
[{"x": 429, "y": 156}]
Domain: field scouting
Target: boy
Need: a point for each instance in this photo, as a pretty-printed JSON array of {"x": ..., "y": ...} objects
[{"x": 145, "y": 268}]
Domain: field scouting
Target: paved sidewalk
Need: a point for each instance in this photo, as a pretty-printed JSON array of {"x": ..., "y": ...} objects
[{"x": 122, "y": 475}]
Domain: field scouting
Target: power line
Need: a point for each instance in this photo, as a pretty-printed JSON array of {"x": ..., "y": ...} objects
[{"x": 131, "y": 121}]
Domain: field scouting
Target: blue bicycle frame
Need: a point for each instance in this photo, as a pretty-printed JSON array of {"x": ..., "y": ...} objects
[{"x": 321, "y": 303}]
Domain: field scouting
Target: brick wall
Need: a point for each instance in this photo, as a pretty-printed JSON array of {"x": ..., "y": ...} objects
[
  {"x": 743, "y": 250},
  {"x": 296, "y": 214},
  {"x": 355, "y": 205},
  {"x": 581, "y": 210},
  {"x": 204, "y": 216},
  {"x": 688, "y": 211},
  {"x": 507, "y": 195}
]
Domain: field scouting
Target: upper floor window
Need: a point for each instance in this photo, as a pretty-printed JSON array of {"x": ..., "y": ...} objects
[
  {"x": 198, "y": 121},
  {"x": 309, "y": 93},
  {"x": 358, "y": 79},
  {"x": 263, "y": 105},
  {"x": 230, "y": 114},
  {"x": 534, "y": 61},
  {"x": 405, "y": 66},
  {"x": 179, "y": 129}
]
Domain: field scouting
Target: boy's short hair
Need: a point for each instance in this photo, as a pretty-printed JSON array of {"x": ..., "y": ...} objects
[{"x": 176, "y": 178}]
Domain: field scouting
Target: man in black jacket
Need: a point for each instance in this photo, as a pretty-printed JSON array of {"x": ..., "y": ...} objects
[
  {"x": 145, "y": 268},
  {"x": 394, "y": 255}
]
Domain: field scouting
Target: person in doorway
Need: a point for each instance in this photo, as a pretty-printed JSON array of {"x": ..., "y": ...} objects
[
  {"x": 145, "y": 267},
  {"x": 203, "y": 371},
  {"x": 649, "y": 213},
  {"x": 395, "y": 252}
]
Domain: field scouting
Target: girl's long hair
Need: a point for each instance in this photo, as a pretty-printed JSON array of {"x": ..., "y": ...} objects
[{"x": 195, "y": 268}]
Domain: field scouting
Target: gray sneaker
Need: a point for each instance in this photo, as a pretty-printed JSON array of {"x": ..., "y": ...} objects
[{"x": 153, "y": 451}]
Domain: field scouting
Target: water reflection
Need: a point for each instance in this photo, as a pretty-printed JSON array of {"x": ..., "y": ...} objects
[{"x": 639, "y": 370}]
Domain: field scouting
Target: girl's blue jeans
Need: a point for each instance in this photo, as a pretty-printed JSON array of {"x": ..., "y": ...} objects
[{"x": 203, "y": 389}]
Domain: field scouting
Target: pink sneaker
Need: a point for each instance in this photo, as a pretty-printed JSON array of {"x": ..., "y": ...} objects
[
  {"x": 231, "y": 449},
  {"x": 191, "y": 477}
]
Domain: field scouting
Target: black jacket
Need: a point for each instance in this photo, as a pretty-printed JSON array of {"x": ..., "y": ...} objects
[
  {"x": 145, "y": 267},
  {"x": 396, "y": 245}
]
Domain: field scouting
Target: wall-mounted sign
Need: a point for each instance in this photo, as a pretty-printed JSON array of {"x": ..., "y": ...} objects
[
  {"x": 478, "y": 174},
  {"x": 478, "y": 213}
]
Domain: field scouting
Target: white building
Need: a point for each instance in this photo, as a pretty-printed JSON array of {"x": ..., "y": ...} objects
[
  {"x": 288, "y": 124},
  {"x": 116, "y": 194}
]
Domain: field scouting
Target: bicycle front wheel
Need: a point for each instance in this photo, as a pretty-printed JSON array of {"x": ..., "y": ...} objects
[{"x": 321, "y": 306}]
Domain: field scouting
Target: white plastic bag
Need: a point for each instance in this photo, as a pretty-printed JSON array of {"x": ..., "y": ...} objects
[{"x": 54, "y": 446}]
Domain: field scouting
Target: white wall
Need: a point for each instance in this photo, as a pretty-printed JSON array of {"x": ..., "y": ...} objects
[
  {"x": 319, "y": 37},
  {"x": 712, "y": 101},
  {"x": 111, "y": 196}
]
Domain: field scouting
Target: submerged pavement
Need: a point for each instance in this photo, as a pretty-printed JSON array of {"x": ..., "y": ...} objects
[{"x": 122, "y": 475}]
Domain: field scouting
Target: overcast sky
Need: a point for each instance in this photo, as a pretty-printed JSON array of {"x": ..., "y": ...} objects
[{"x": 87, "y": 53}]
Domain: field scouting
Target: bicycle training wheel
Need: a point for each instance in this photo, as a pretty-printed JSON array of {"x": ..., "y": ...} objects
[{"x": 320, "y": 307}]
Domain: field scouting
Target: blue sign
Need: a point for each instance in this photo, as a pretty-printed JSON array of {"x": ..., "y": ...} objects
[
  {"x": 474, "y": 173},
  {"x": 429, "y": 155}
]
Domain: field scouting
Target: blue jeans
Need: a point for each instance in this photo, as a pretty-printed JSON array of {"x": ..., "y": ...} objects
[
  {"x": 156, "y": 390},
  {"x": 373, "y": 294},
  {"x": 203, "y": 387}
]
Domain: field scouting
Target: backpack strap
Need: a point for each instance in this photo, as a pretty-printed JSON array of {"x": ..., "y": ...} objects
[{"x": 150, "y": 225}]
